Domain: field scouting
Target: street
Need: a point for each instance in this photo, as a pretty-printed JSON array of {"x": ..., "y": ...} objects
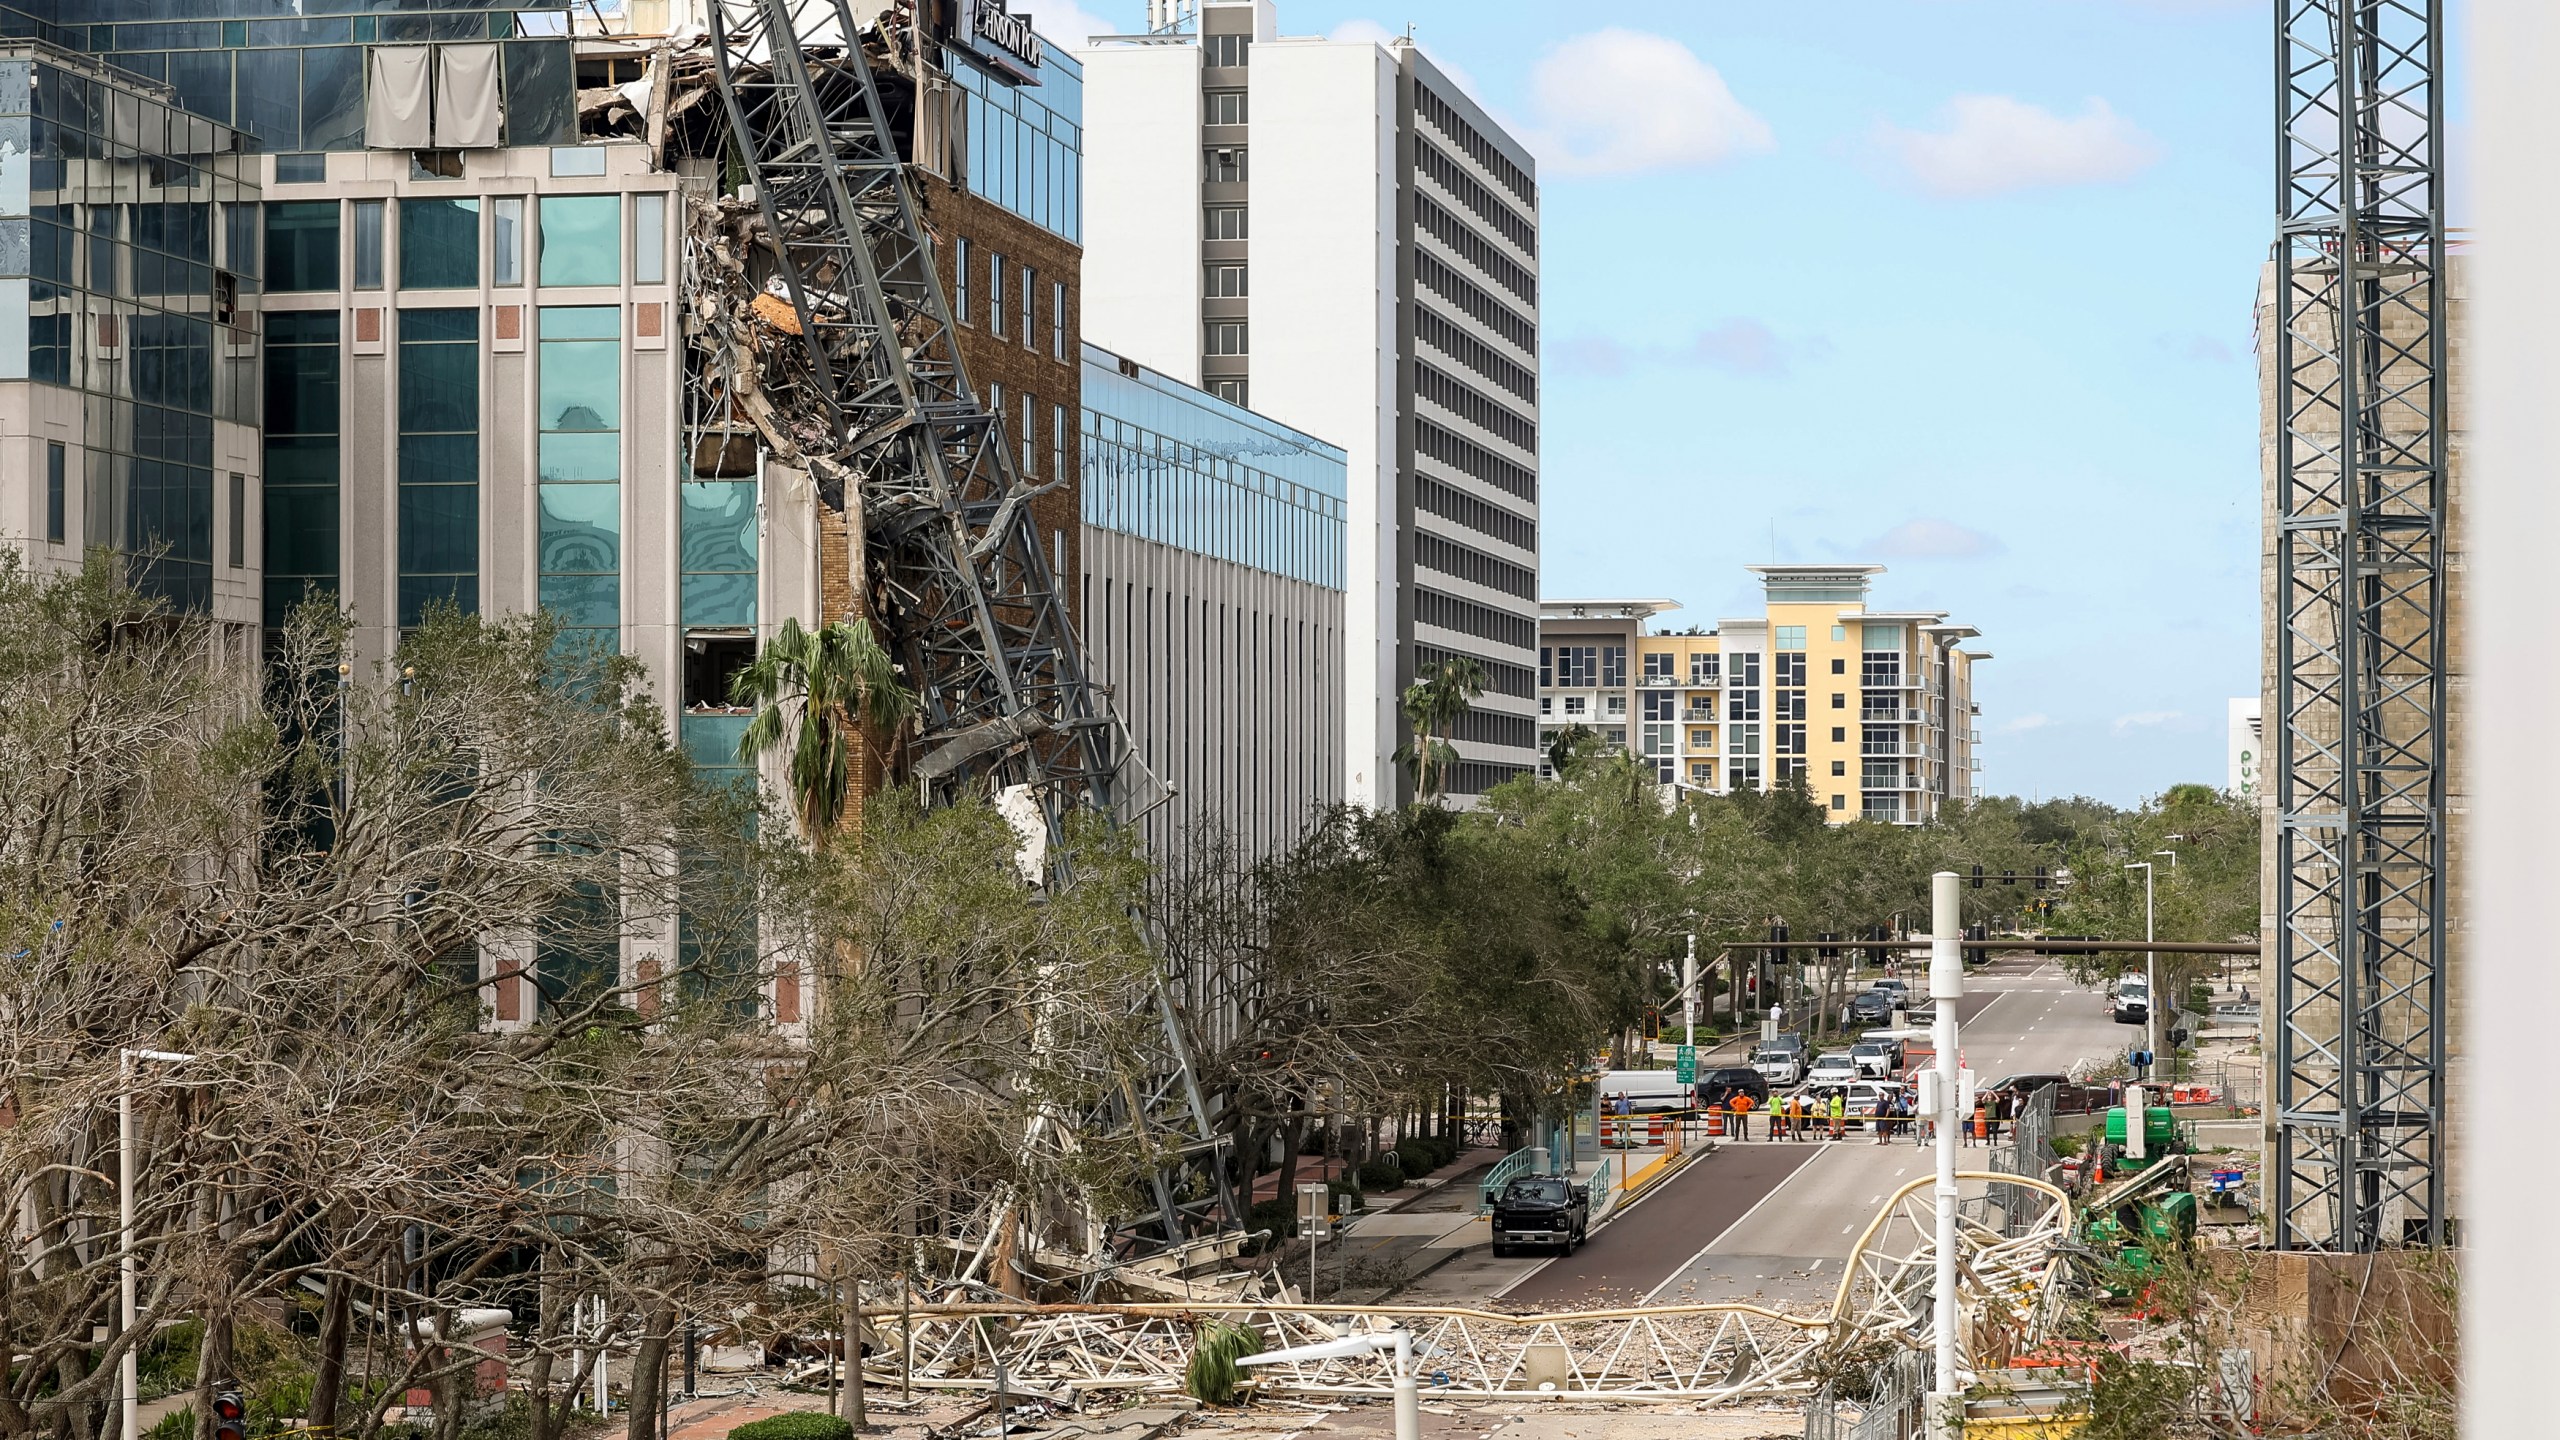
[{"x": 1772, "y": 1222}]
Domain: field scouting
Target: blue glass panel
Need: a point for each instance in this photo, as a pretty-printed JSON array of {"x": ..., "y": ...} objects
[{"x": 581, "y": 239}]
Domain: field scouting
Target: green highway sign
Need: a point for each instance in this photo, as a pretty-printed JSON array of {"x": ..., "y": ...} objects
[{"x": 1688, "y": 1064}]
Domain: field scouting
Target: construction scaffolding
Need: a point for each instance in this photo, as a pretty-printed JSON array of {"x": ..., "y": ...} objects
[
  {"x": 821, "y": 350},
  {"x": 2357, "y": 1034}
]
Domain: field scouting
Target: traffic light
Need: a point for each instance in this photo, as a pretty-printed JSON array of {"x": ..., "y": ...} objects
[
  {"x": 2008, "y": 877},
  {"x": 1977, "y": 877},
  {"x": 1778, "y": 937},
  {"x": 1653, "y": 1022},
  {"x": 2040, "y": 877},
  {"x": 230, "y": 1417},
  {"x": 1828, "y": 950}
]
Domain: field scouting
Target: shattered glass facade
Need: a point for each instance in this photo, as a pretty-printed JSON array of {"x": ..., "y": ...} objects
[{"x": 128, "y": 270}]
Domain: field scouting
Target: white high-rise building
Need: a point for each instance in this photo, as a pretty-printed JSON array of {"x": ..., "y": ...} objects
[{"x": 1332, "y": 233}]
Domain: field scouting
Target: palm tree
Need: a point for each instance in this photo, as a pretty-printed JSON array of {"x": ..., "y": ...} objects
[
  {"x": 815, "y": 692},
  {"x": 1433, "y": 705}
]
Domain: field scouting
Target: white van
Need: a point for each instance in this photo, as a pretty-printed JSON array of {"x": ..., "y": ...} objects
[{"x": 1646, "y": 1091}]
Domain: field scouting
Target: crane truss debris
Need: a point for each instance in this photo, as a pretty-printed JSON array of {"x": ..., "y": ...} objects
[
  {"x": 2010, "y": 1287},
  {"x": 2358, "y": 1034},
  {"x": 873, "y": 403}
]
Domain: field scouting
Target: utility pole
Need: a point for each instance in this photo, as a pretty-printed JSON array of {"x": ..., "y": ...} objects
[
  {"x": 2150, "y": 967},
  {"x": 129, "y": 1265},
  {"x": 1946, "y": 987},
  {"x": 1689, "y": 994}
]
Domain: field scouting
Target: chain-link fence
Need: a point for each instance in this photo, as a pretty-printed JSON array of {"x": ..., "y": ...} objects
[
  {"x": 2025, "y": 1148},
  {"x": 1892, "y": 1405}
]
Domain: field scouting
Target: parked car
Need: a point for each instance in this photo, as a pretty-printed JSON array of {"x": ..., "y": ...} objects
[
  {"x": 1891, "y": 1041},
  {"x": 2068, "y": 1098},
  {"x": 1875, "y": 1007},
  {"x": 1834, "y": 1068},
  {"x": 1778, "y": 1066},
  {"x": 1540, "y": 1210},
  {"x": 1874, "y": 1058},
  {"x": 1901, "y": 990},
  {"x": 1863, "y": 1096},
  {"x": 1717, "y": 1086}
]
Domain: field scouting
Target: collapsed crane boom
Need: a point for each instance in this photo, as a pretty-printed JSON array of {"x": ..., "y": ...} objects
[{"x": 944, "y": 554}]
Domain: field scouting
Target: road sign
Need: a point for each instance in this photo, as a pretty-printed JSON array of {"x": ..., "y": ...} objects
[{"x": 1688, "y": 1063}]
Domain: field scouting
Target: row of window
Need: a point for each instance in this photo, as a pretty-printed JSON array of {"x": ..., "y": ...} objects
[
  {"x": 1431, "y": 552},
  {"x": 1223, "y": 164},
  {"x": 1474, "y": 299},
  {"x": 1493, "y": 727},
  {"x": 1501, "y": 676},
  {"x": 1222, "y": 107},
  {"x": 577, "y": 240},
  {"x": 1440, "y": 333},
  {"x": 1482, "y": 410},
  {"x": 1582, "y": 667},
  {"x": 1448, "y": 612},
  {"x": 300, "y": 435},
  {"x": 1223, "y": 222},
  {"x": 1141, "y": 483},
  {"x": 1472, "y": 247},
  {"x": 1445, "y": 118},
  {"x": 1224, "y": 280},
  {"x": 1462, "y": 184},
  {"x": 1482, "y": 516},
  {"x": 1013, "y": 286},
  {"x": 1475, "y": 461},
  {"x": 1475, "y": 777},
  {"x": 1224, "y": 337},
  {"x": 1226, "y": 52}
]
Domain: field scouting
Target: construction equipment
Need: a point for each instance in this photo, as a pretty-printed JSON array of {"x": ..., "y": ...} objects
[{"x": 942, "y": 554}]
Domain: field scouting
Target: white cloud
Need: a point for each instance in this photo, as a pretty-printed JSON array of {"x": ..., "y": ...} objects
[
  {"x": 1067, "y": 24},
  {"x": 2036, "y": 720},
  {"x": 1991, "y": 144},
  {"x": 1737, "y": 345},
  {"x": 1931, "y": 539},
  {"x": 1624, "y": 102}
]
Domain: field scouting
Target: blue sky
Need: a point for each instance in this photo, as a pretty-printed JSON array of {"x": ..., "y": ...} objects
[{"x": 1959, "y": 287}]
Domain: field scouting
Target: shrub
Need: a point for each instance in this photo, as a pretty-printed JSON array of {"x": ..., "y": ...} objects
[
  {"x": 1420, "y": 1156},
  {"x": 798, "y": 1425},
  {"x": 1213, "y": 1374},
  {"x": 1339, "y": 1187},
  {"x": 178, "y": 1424},
  {"x": 1384, "y": 1173}
]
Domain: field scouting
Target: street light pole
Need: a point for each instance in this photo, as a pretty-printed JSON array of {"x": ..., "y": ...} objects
[
  {"x": 1689, "y": 995},
  {"x": 2150, "y": 967},
  {"x": 129, "y": 1274},
  {"x": 1946, "y": 987}
]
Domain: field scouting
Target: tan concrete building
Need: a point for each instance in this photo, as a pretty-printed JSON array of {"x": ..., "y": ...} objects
[{"x": 1872, "y": 709}]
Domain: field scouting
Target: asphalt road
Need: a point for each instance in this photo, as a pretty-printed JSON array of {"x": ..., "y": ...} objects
[
  {"x": 1789, "y": 1251},
  {"x": 1652, "y": 1239}
]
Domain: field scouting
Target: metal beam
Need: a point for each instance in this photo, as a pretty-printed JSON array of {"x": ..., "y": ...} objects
[{"x": 2356, "y": 1036}]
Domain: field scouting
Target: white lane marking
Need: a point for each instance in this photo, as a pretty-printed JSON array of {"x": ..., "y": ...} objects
[
  {"x": 1737, "y": 1224},
  {"x": 1845, "y": 1229}
]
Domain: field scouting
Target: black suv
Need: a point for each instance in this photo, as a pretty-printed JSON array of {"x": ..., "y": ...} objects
[
  {"x": 1540, "y": 1210},
  {"x": 1875, "y": 1007},
  {"x": 1717, "y": 1086}
]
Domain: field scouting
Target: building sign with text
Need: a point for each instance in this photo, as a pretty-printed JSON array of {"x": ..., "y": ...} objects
[{"x": 997, "y": 36}]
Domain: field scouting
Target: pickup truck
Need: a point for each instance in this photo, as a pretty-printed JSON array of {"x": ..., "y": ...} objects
[
  {"x": 1540, "y": 1210},
  {"x": 2068, "y": 1098}
]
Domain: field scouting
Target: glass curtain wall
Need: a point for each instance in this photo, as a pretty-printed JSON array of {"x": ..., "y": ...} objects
[
  {"x": 301, "y": 458},
  {"x": 439, "y": 461},
  {"x": 137, "y": 258},
  {"x": 581, "y": 471}
]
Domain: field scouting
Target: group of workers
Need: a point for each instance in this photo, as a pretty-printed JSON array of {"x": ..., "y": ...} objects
[{"x": 1797, "y": 1117}]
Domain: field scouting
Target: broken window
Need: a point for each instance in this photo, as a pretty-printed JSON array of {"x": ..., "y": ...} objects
[{"x": 711, "y": 663}]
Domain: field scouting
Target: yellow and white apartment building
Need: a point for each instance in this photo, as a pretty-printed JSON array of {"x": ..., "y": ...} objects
[{"x": 1874, "y": 708}]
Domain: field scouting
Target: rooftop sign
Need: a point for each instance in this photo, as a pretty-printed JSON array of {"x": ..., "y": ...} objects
[{"x": 996, "y": 35}]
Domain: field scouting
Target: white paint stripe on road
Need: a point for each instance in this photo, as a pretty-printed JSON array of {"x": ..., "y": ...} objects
[{"x": 1737, "y": 1224}]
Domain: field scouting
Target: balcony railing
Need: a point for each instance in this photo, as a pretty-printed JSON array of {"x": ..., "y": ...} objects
[
  {"x": 1706, "y": 716},
  {"x": 1657, "y": 682},
  {"x": 1881, "y": 747}
]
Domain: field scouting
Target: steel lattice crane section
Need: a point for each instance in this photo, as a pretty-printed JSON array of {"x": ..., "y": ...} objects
[
  {"x": 2360, "y": 607},
  {"x": 955, "y": 567},
  {"x": 941, "y": 530}
]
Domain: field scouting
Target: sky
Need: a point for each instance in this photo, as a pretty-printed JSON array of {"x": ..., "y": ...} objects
[{"x": 1963, "y": 288}]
